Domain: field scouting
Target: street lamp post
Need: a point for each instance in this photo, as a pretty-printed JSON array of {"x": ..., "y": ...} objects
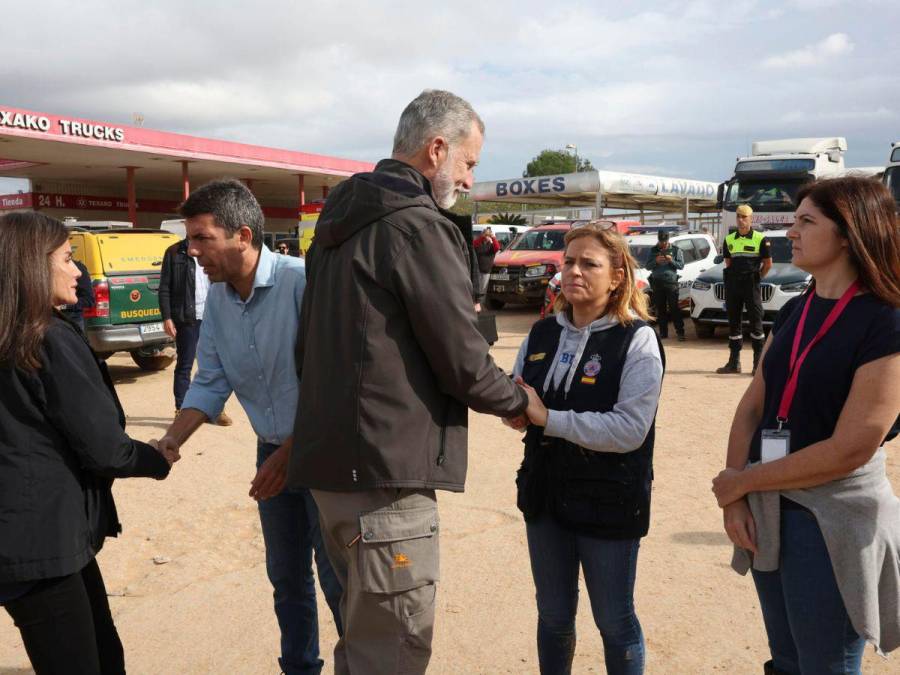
[{"x": 574, "y": 149}]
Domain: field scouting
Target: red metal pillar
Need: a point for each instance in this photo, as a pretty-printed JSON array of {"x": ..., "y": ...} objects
[
  {"x": 132, "y": 198},
  {"x": 185, "y": 180},
  {"x": 324, "y": 192}
]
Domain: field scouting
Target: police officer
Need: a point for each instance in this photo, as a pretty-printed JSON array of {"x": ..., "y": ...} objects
[
  {"x": 747, "y": 260},
  {"x": 664, "y": 263}
]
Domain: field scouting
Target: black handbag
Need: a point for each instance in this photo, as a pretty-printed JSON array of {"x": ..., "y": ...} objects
[{"x": 487, "y": 326}]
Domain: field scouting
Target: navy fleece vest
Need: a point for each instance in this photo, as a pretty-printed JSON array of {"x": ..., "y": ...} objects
[{"x": 605, "y": 494}]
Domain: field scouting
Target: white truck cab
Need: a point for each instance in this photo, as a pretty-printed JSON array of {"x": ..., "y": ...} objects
[{"x": 768, "y": 180}]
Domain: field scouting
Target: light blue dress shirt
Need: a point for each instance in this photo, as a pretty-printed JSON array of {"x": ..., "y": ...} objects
[{"x": 248, "y": 347}]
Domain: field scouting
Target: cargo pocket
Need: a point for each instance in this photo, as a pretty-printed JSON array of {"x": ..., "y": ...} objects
[{"x": 398, "y": 550}]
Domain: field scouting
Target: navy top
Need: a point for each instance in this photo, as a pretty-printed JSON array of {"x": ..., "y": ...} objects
[{"x": 867, "y": 330}]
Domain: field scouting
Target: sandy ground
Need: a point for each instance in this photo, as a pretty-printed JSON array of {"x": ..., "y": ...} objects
[{"x": 209, "y": 608}]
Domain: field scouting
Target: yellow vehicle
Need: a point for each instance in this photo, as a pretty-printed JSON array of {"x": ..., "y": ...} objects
[
  {"x": 306, "y": 239},
  {"x": 124, "y": 266}
]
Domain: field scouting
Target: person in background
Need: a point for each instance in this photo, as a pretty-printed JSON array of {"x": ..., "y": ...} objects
[
  {"x": 283, "y": 249},
  {"x": 664, "y": 263},
  {"x": 805, "y": 495},
  {"x": 486, "y": 249},
  {"x": 62, "y": 442},
  {"x": 247, "y": 346},
  {"x": 183, "y": 286},
  {"x": 747, "y": 260},
  {"x": 593, "y": 374},
  {"x": 85, "y": 295}
]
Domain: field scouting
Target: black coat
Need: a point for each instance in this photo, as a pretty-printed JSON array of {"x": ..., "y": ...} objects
[
  {"x": 176, "y": 284},
  {"x": 62, "y": 441},
  {"x": 388, "y": 351}
]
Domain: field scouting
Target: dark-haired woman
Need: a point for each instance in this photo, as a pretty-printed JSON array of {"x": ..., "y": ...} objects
[
  {"x": 61, "y": 444},
  {"x": 593, "y": 374},
  {"x": 814, "y": 506}
]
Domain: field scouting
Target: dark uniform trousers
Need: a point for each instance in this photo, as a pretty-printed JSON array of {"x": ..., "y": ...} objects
[
  {"x": 742, "y": 291},
  {"x": 665, "y": 302}
]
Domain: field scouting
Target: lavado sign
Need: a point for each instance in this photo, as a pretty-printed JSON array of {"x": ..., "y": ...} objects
[{"x": 29, "y": 122}]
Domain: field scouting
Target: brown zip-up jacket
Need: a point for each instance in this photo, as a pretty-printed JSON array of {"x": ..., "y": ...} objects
[{"x": 388, "y": 354}]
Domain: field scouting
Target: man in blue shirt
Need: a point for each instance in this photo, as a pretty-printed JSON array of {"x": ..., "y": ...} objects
[{"x": 247, "y": 342}]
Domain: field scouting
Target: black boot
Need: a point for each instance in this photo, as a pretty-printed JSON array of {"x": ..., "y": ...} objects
[
  {"x": 770, "y": 669},
  {"x": 757, "y": 353},
  {"x": 734, "y": 360}
]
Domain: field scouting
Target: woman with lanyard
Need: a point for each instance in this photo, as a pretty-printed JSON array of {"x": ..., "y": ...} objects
[
  {"x": 593, "y": 374},
  {"x": 813, "y": 512},
  {"x": 62, "y": 441}
]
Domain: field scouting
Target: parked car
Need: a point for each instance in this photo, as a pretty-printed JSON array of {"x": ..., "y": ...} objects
[
  {"x": 783, "y": 282},
  {"x": 124, "y": 267},
  {"x": 521, "y": 272},
  {"x": 698, "y": 249}
]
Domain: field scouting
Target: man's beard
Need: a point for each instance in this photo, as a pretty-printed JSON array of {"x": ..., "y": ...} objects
[{"x": 443, "y": 187}]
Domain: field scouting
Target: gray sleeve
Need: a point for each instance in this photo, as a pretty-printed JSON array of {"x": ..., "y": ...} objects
[
  {"x": 625, "y": 427},
  {"x": 520, "y": 358}
]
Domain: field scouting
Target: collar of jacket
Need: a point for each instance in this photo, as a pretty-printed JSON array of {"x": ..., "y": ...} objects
[{"x": 403, "y": 171}]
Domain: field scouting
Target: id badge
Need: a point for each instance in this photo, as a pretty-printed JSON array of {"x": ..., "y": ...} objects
[{"x": 774, "y": 444}]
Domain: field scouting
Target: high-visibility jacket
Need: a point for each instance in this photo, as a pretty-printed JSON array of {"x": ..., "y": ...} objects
[{"x": 744, "y": 247}]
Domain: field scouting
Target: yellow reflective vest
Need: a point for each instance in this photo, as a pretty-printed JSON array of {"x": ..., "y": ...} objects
[{"x": 742, "y": 247}]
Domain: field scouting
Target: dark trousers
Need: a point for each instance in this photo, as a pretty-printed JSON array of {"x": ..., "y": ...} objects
[
  {"x": 67, "y": 627},
  {"x": 665, "y": 302},
  {"x": 742, "y": 291},
  {"x": 186, "y": 337},
  {"x": 806, "y": 621},
  {"x": 290, "y": 527}
]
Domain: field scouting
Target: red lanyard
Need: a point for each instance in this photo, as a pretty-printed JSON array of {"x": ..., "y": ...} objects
[{"x": 787, "y": 397}]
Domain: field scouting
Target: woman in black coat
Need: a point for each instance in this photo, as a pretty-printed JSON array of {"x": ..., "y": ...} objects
[{"x": 62, "y": 442}]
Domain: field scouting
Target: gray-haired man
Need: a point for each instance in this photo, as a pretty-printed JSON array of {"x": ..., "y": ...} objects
[{"x": 391, "y": 358}]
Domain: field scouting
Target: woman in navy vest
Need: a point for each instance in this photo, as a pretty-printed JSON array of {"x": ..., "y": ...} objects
[
  {"x": 62, "y": 442},
  {"x": 813, "y": 512},
  {"x": 593, "y": 374}
]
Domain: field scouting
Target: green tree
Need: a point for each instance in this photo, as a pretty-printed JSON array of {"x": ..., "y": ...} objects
[{"x": 551, "y": 162}]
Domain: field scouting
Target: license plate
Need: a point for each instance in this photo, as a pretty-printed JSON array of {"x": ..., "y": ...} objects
[
  {"x": 499, "y": 288},
  {"x": 152, "y": 328},
  {"x": 499, "y": 277}
]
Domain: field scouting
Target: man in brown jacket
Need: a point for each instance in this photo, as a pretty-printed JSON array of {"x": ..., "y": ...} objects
[{"x": 390, "y": 359}]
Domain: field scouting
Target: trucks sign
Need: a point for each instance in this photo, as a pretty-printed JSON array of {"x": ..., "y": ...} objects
[{"x": 64, "y": 127}]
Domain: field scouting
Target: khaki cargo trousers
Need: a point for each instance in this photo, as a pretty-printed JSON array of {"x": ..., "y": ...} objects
[{"x": 383, "y": 546}]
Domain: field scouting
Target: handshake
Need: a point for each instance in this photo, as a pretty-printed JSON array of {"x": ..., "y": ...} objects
[
  {"x": 168, "y": 447},
  {"x": 536, "y": 412}
]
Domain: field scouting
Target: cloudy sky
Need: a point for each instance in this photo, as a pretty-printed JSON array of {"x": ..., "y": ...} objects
[{"x": 670, "y": 88}]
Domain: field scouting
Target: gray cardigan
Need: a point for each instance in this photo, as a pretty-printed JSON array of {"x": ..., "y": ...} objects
[{"x": 860, "y": 520}]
